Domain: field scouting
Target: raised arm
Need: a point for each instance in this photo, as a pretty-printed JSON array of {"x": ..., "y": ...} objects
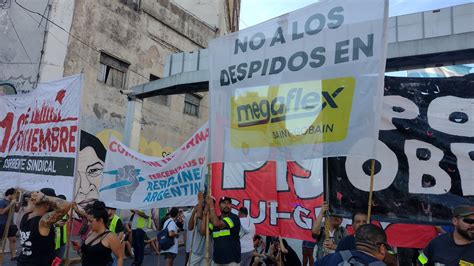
[
  {"x": 60, "y": 208},
  {"x": 282, "y": 246},
  {"x": 316, "y": 229},
  {"x": 79, "y": 212},
  {"x": 8, "y": 207},
  {"x": 140, "y": 213},
  {"x": 197, "y": 212},
  {"x": 212, "y": 214},
  {"x": 203, "y": 225}
]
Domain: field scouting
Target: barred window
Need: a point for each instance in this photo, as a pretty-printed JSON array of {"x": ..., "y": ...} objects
[
  {"x": 191, "y": 104},
  {"x": 112, "y": 71}
]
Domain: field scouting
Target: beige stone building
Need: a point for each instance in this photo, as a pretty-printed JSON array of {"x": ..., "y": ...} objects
[
  {"x": 117, "y": 44},
  {"x": 125, "y": 43}
]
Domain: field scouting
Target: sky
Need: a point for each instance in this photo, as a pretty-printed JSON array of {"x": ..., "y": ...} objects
[{"x": 255, "y": 11}]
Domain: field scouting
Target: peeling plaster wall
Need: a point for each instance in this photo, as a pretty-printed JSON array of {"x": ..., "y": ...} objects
[
  {"x": 21, "y": 39},
  {"x": 142, "y": 38}
]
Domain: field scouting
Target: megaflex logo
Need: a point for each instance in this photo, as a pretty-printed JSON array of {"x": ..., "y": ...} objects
[{"x": 293, "y": 113}]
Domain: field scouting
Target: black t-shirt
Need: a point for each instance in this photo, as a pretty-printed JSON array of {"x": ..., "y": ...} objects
[
  {"x": 227, "y": 240},
  {"x": 119, "y": 227},
  {"x": 291, "y": 258},
  {"x": 36, "y": 249},
  {"x": 443, "y": 250}
]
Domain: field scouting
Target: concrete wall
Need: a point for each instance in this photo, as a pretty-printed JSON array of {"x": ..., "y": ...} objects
[
  {"x": 21, "y": 39},
  {"x": 143, "y": 39},
  {"x": 56, "y": 41},
  {"x": 433, "y": 23}
]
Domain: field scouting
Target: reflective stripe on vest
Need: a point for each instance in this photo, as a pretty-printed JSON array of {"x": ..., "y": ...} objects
[
  {"x": 224, "y": 232},
  {"x": 57, "y": 239},
  {"x": 229, "y": 221},
  {"x": 113, "y": 223},
  {"x": 57, "y": 236},
  {"x": 422, "y": 258},
  {"x": 64, "y": 234}
]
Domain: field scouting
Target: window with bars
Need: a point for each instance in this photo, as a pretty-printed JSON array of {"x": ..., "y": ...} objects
[
  {"x": 191, "y": 104},
  {"x": 112, "y": 71}
]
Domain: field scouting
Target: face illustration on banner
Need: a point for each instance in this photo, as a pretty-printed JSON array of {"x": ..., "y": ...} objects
[{"x": 90, "y": 165}]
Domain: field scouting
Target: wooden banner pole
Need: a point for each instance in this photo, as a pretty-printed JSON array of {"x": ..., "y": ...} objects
[
  {"x": 11, "y": 211},
  {"x": 209, "y": 189},
  {"x": 371, "y": 190}
]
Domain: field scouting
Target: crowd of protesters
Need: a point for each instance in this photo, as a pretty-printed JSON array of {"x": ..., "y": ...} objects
[{"x": 232, "y": 238}]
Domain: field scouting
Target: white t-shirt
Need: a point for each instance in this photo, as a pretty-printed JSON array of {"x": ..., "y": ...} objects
[
  {"x": 171, "y": 226},
  {"x": 247, "y": 232}
]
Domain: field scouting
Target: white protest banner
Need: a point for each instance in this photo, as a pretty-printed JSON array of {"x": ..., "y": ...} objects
[
  {"x": 39, "y": 136},
  {"x": 304, "y": 85},
  {"x": 132, "y": 180}
]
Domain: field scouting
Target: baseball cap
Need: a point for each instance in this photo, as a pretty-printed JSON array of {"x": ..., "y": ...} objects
[
  {"x": 463, "y": 210},
  {"x": 222, "y": 199},
  {"x": 48, "y": 192}
]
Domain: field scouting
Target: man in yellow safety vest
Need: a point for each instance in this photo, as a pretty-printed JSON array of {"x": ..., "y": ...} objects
[
  {"x": 60, "y": 230},
  {"x": 139, "y": 220},
  {"x": 116, "y": 226}
]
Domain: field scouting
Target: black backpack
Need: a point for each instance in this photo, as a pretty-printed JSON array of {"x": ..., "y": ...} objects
[
  {"x": 164, "y": 240},
  {"x": 348, "y": 259}
]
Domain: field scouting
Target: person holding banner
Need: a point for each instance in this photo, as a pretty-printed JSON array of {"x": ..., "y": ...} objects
[
  {"x": 199, "y": 236},
  {"x": 225, "y": 233},
  {"x": 455, "y": 248},
  {"x": 327, "y": 244},
  {"x": 5, "y": 205},
  {"x": 36, "y": 228}
]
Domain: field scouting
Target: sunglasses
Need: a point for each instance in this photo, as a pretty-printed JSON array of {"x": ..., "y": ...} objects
[{"x": 468, "y": 220}]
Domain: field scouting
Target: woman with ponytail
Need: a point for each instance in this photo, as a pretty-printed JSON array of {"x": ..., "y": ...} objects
[{"x": 100, "y": 243}]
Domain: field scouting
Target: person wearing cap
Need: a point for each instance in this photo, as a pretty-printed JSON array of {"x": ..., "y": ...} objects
[
  {"x": 36, "y": 228},
  {"x": 370, "y": 249},
  {"x": 327, "y": 245},
  {"x": 115, "y": 224},
  {"x": 225, "y": 231},
  {"x": 455, "y": 248},
  {"x": 247, "y": 232}
]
